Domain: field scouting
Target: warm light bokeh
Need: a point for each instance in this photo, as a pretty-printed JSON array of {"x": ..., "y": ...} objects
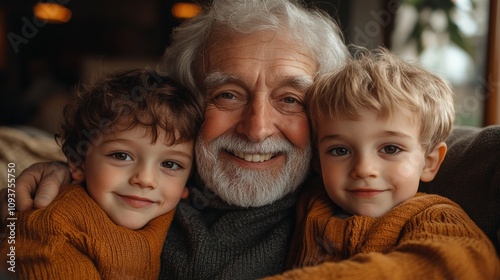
[
  {"x": 52, "y": 12},
  {"x": 184, "y": 10}
]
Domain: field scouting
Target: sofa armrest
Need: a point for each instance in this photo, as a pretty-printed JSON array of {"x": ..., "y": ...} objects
[{"x": 23, "y": 147}]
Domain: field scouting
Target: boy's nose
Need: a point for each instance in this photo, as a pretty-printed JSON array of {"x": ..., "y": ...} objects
[
  {"x": 364, "y": 167},
  {"x": 144, "y": 177}
]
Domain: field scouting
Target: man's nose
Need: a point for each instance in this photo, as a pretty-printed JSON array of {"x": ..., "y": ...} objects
[
  {"x": 144, "y": 176},
  {"x": 259, "y": 120}
]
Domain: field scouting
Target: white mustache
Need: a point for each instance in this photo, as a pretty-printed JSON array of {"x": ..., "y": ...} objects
[{"x": 245, "y": 149}]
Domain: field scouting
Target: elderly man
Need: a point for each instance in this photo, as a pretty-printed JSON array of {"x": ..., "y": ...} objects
[{"x": 253, "y": 61}]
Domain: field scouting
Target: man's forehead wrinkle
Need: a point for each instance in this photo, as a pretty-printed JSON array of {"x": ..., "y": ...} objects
[
  {"x": 273, "y": 63},
  {"x": 235, "y": 51},
  {"x": 278, "y": 62},
  {"x": 299, "y": 81},
  {"x": 298, "y": 49},
  {"x": 240, "y": 56}
]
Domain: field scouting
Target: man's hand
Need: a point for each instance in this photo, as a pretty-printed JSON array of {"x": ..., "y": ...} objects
[{"x": 37, "y": 186}]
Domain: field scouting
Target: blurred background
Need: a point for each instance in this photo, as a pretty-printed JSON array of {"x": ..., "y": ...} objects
[{"x": 46, "y": 47}]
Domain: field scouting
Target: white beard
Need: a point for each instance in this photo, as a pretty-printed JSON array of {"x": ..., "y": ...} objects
[{"x": 251, "y": 187}]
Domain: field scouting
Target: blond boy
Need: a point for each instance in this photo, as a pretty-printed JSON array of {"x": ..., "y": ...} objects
[{"x": 379, "y": 126}]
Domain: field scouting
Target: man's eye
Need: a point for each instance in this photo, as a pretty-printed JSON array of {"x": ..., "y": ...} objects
[
  {"x": 289, "y": 105},
  {"x": 170, "y": 165},
  {"x": 391, "y": 149},
  {"x": 227, "y": 100},
  {"x": 226, "y": 95},
  {"x": 121, "y": 156},
  {"x": 339, "y": 151}
]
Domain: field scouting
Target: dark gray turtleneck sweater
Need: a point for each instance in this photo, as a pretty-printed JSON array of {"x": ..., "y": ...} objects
[{"x": 210, "y": 239}]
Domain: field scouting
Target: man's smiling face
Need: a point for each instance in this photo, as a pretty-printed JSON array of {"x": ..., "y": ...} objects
[{"x": 254, "y": 145}]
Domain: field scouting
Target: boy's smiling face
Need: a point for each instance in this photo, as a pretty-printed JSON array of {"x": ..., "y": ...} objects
[
  {"x": 135, "y": 181},
  {"x": 371, "y": 165}
]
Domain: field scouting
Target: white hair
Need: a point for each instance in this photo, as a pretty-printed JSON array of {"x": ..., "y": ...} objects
[{"x": 312, "y": 28}]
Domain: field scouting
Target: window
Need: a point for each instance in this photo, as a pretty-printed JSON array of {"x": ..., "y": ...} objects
[{"x": 450, "y": 38}]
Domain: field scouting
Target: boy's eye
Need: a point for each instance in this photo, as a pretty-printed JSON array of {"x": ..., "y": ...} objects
[
  {"x": 170, "y": 165},
  {"x": 121, "y": 156},
  {"x": 391, "y": 149},
  {"x": 339, "y": 151}
]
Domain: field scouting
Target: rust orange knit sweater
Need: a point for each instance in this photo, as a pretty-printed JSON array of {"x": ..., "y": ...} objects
[
  {"x": 73, "y": 238},
  {"x": 426, "y": 237}
]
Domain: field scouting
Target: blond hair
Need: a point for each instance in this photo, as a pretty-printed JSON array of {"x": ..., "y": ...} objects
[{"x": 380, "y": 81}]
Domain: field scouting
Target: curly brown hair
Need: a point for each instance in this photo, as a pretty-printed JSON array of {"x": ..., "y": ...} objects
[{"x": 121, "y": 101}]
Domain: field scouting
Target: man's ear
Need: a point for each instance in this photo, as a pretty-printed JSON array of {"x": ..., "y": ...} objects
[
  {"x": 77, "y": 172},
  {"x": 433, "y": 161}
]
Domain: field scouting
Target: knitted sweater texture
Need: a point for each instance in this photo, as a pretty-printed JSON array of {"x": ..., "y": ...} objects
[
  {"x": 73, "y": 238},
  {"x": 210, "y": 239},
  {"x": 426, "y": 237}
]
